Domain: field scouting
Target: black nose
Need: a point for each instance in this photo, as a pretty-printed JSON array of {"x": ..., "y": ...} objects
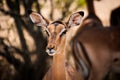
[{"x": 50, "y": 48}]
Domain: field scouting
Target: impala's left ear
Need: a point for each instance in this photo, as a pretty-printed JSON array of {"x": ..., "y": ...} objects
[
  {"x": 75, "y": 19},
  {"x": 38, "y": 19}
]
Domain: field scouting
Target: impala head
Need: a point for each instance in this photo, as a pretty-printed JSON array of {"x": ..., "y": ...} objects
[{"x": 56, "y": 31}]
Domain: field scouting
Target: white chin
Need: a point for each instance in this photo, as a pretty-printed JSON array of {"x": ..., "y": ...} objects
[{"x": 51, "y": 53}]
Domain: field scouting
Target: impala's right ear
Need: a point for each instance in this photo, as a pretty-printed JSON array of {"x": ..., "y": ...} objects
[
  {"x": 75, "y": 19},
  {"x": 38, "y": 19}
]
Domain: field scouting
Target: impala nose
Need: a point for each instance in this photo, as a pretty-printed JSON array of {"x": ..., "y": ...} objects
[{"x": 50, "y": 50}]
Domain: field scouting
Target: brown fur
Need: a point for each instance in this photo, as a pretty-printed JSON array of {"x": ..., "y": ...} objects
[
  {"x": 56, "y": 47},
  {"x": 102, "y": 46},
  {"x": 60, "y": 69}
]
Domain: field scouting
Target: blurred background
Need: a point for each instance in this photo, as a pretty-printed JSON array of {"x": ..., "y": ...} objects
[{"x": 22, "y": 44}]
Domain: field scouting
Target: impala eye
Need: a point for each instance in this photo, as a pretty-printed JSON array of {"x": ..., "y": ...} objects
[{"x": 63, "y": 32}]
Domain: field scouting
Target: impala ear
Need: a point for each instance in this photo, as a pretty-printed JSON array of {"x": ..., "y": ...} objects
[
  {"x": 75, "y": 19},
  {"x": 37, "y": 18}
]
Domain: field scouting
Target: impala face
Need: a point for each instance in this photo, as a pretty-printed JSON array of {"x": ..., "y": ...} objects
[{"x": 56, "y": 31}]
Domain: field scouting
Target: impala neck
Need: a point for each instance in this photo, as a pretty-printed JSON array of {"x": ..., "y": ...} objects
[{"x": 58, "y": 66}]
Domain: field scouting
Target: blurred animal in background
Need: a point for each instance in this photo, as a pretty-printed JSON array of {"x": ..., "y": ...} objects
[{"x": 97, "y": 46}]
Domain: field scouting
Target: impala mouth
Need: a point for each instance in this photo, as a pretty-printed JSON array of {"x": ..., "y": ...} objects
[{"x": 50, "y": 52}]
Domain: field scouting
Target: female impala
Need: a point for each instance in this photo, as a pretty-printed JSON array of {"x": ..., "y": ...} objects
[
  {"x": 56, "y": 31},
  {"x": 97, "y": 46}
]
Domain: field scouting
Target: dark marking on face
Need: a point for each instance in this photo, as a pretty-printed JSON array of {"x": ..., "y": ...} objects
[{"x": 56, "y": 23}]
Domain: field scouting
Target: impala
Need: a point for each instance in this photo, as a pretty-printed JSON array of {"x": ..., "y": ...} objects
[
  {"x": 97, "y": 46},
  {"x": 56, "y": 32}
]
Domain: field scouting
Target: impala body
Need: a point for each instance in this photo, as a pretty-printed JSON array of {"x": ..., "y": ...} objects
[{"x": 97, "y": 46}]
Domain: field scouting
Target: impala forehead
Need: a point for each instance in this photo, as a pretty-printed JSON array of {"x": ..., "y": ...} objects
[{"x": 56, "y": 27}]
